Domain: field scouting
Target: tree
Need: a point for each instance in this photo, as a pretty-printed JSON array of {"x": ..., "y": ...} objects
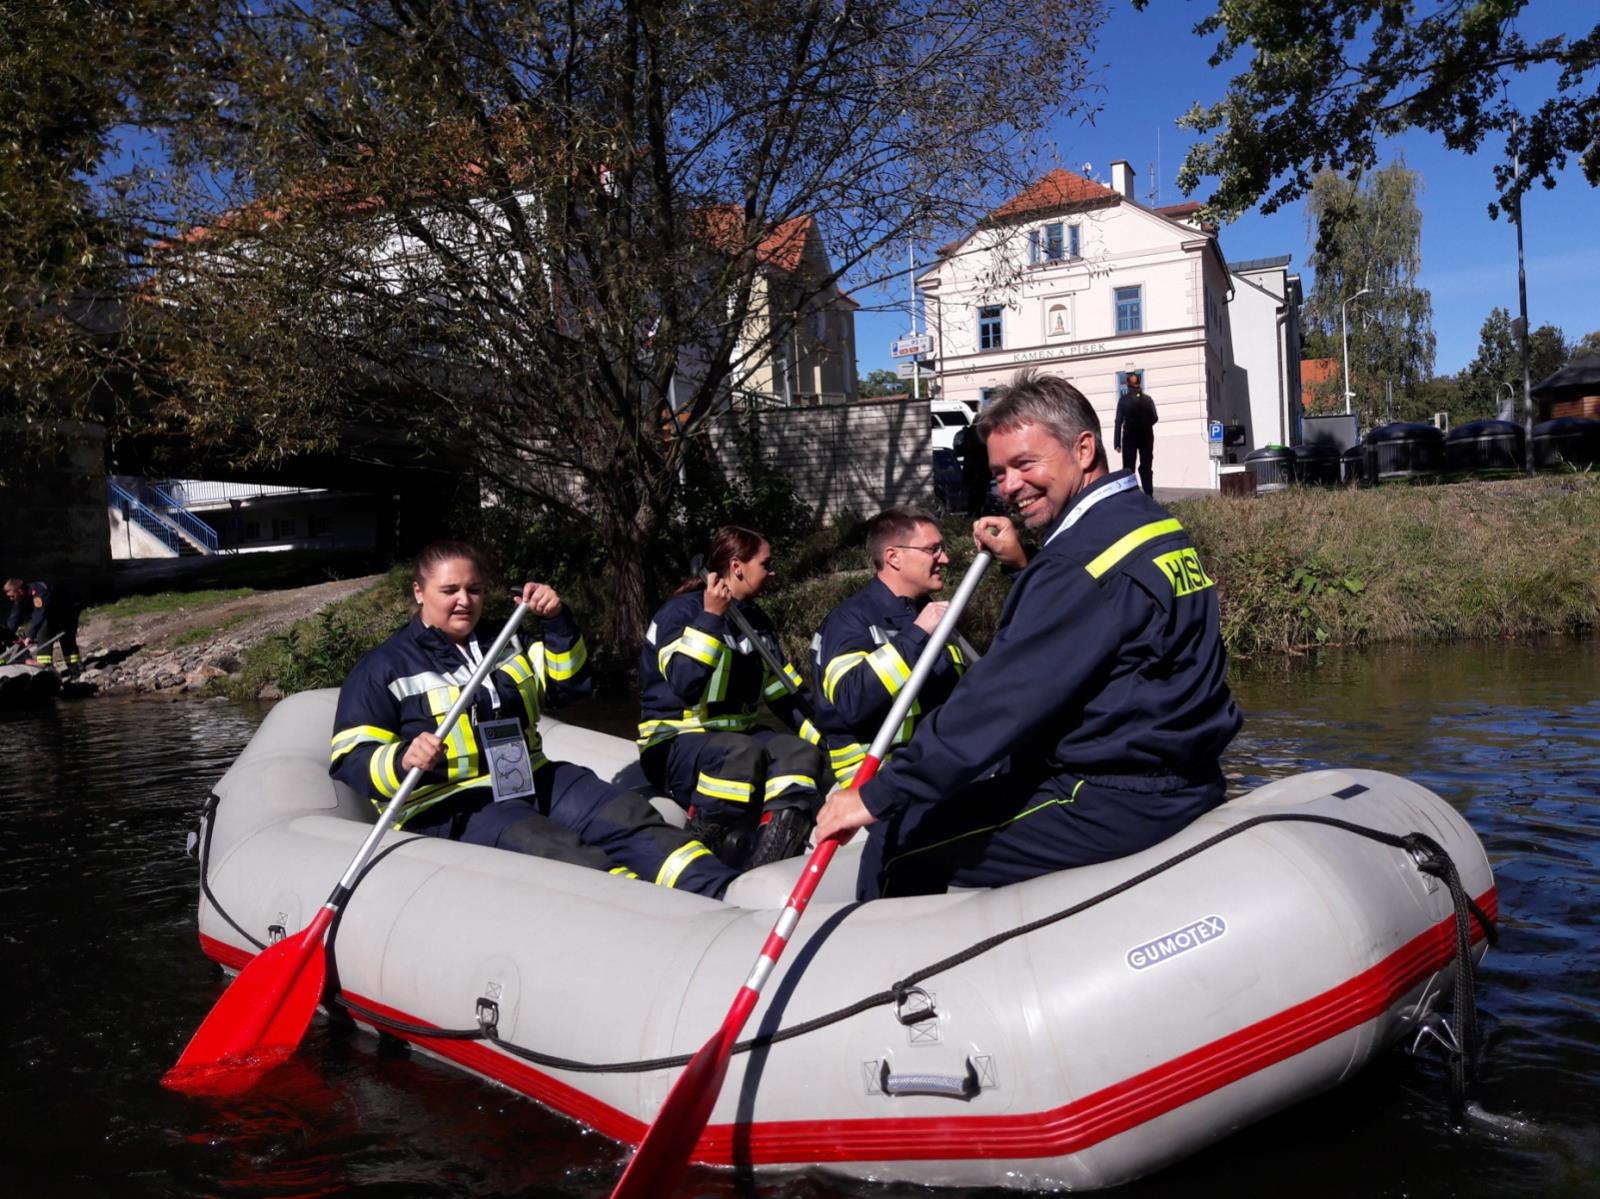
[
  {"x": 1588, "y": 344},
  {"x": 1368, "y": 237},
  {"x": 539, "y": 234},
  {"x": 1494, "y": 376},
  {"x": 880, "y": 383},
  {"x": 1326, "y": 82}
]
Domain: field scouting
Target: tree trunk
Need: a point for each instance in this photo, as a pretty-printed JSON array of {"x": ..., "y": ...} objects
[{"x": 628, "y": 524}]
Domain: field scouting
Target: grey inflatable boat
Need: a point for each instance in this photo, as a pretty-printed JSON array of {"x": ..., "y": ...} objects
[{"x": 1075, "y": 1031}]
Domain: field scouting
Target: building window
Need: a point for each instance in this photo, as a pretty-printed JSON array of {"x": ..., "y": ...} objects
[
  {"x": 989, "y": 335},
  {"x": 282, "y": 527},
  {"x": 1130, "y": 310},
  {"x": 1054, "y": 242},
  {"x": 983, "y": 396}
]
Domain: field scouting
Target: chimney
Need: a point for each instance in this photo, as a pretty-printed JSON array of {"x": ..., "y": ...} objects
[{"x": 1122, "y": 178}]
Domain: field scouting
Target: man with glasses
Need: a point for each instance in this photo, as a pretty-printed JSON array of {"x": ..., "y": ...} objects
[
  {"x": 866, "y": 648},
  {"x": 1094, "y": 726}
]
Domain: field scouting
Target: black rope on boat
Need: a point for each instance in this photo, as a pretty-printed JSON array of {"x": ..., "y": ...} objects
[
  {"x": 208, "y": 821},
  {"x": 1427, "y": 854}
]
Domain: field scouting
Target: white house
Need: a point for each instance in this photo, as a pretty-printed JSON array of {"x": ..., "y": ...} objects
[
  {"x": 1083, "y": 281},
  {"x": 1265, "y": 313}
]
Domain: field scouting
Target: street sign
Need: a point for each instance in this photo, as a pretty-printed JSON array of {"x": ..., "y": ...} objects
[
  {"x": 909, "y": 370},
  {"x": 1214, "y": 438},
  {"x": 911, "y": 345}
]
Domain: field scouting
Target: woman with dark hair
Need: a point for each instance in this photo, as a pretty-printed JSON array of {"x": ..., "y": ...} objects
[
  {"x": 701, "y": 681},
  {"x": 489, "y": 782}
]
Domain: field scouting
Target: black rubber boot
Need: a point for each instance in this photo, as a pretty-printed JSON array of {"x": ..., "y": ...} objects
[
  {"x": 782, "y": 834},
  {"x": 728, "y": 839}
]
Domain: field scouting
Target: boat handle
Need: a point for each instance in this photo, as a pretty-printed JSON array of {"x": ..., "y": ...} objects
[{"x": 946, "y": 1086}]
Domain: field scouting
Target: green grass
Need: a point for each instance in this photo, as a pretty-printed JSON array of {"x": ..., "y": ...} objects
[
  {"x": 164, "y": 601},
  {"x": 1294, "y": 570},
  {"x": 203, "y": 632}
]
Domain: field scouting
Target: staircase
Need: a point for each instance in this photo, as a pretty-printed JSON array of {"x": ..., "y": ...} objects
[{"x": 159, "y": 514}]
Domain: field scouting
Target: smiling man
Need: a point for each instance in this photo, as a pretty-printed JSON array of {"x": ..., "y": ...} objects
[
  {"x": 1094, "y": 726},
  {"x": 867, "y": 646}
]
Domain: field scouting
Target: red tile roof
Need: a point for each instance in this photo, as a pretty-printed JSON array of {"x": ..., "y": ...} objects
[
  {"x": 1058, "y": 189},
  {"x": 1178, "y": 211}
]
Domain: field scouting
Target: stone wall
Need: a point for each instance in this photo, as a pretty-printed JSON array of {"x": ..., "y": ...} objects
[
  {"x": 864, "y": 456},
  {"x": 55, "y": 524}
]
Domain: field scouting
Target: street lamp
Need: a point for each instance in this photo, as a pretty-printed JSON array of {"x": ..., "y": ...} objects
[{"x": 1344, "y": 339}]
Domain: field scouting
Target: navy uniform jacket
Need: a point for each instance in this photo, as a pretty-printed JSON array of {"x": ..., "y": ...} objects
[
  {"x": 863, "y": 654},
  {"x": 407, "y": 684},
  {"x": 38, "y": 603},
  {"x": 1108, "y": 663},
  {"x": 698, "y": 674}
]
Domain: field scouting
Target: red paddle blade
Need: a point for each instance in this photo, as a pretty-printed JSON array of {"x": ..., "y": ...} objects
[
  {"x": 662, "y": 1157},
  {"x": 260, "y": 1018}
]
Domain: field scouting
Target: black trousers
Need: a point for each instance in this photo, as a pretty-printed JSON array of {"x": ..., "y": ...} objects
[{"x": 1143, "y": 449}]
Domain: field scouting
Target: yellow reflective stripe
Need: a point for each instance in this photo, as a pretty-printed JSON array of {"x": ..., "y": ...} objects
[
  {"x": 777, "y": 687},
  {"x": 383, "y": 770},
  {"x": 717, "y": 688},
  {"x": 838, "y": 668},
  {"x": 890, "y": 668},
  {"x": 564, "y": 666},
  {"x": 1124, "y": 546},
  {"x": 844, "y": 759},
  {"x": 692, "y": 643},
  {"x": 461, "y": 746},
  {"x": 424, "y": 798},
  {"x": 1049, "y": 803},
  {"x": 623, "y": 871},
  {"x": 809, "y": 732},
  {"x": 654, "y": 732},
  {"x": 778, "y": 784},
  {"x": 956, "y": 656},
  {"x": 347, "y": 739},
  {"x": 677, "y": 861},
  {"x": 731, "y": 790}
]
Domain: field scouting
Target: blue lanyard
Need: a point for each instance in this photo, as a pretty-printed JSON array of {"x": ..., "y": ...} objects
[{"x": 1090, "y": 501}]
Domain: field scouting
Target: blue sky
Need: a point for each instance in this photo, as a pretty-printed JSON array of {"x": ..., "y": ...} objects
[{"x": 1154, "y": 68}]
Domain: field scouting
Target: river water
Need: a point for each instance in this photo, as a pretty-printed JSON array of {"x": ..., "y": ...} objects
[{"x": 106, "y": 980}]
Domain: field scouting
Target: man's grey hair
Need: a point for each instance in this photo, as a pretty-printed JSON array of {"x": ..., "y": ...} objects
[{"x": 1044, "y": 400}]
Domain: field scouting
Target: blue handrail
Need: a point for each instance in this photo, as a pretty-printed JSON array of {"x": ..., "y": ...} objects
[
  {"x": 146, "y": 519},
  {"x": 168, "y": 506}
]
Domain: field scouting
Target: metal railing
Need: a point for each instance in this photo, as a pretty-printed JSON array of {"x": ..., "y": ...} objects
[
  {"x": 147, "y": 520},
  {"x": 168, "y": 506}
]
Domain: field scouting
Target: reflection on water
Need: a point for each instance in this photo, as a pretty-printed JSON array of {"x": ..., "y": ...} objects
[{"x": 106, "y": 982}]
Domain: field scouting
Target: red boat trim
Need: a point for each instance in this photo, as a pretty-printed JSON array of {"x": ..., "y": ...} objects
[{"x": 1057, "y": 1132}]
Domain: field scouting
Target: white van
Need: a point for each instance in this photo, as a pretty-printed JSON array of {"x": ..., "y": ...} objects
[{"x": 949, "y": 417}]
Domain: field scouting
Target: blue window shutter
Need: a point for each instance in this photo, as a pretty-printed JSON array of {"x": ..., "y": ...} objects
[
  {"x": 1073, "y": 244},
  {"x": 1033, "y": 248}
]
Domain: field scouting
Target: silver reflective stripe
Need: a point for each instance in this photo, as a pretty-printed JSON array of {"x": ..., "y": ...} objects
[
  {"x": 1083, "y": 507},
  {"x": 428, "y": 680}
]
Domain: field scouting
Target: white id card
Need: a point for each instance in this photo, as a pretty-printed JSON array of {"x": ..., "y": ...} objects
[{"x": 510, "y": 768}]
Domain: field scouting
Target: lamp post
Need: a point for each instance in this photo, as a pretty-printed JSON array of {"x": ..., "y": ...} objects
[{"x": 1344, "y": 340}]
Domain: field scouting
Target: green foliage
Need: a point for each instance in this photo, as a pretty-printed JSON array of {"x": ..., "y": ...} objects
[
  {"x": 1322, "y": 86},
  {"x": 321, "y": 650},
  {"x": 880, "y": 383},
  {"x": 1368, "y": 237},
  {"x": 205, "y": 632}
]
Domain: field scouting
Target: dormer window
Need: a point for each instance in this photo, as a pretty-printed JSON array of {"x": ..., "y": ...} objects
[{"x": 1054, "y": 242}]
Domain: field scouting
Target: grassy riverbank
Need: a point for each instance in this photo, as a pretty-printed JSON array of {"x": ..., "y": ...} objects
[{"x": 1294, "y": 570}]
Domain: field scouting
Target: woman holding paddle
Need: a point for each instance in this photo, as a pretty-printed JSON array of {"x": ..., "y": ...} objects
[
  {"x": 488, "y": 781},
  {"x": 709, "y": 659}
]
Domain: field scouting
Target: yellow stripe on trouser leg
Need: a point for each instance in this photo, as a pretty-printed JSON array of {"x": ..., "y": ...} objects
[
  {"x": 623, "y": 871},
  {"x": 731, "y": 790},
  {"x": 780, "y": 783},
  {"x": 678, "y": 861}
]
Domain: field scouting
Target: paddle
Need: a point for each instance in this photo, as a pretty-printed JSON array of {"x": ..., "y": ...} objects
[
  {"x": 663, "y": 1155},
  {"x": 774, "y": 663},
  {"x": 263, "y": 1015},
  {"x": 28, "y": 651}
]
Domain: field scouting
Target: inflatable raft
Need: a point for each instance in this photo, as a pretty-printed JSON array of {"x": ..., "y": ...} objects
[{"x": 1040, "y": 1046}]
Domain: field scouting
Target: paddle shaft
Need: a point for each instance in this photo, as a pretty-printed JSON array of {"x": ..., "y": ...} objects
[
  {"x": 664, "y": 1152},
  {"x": 774, "y": 663},
  {"x": 29, "y": 651}
]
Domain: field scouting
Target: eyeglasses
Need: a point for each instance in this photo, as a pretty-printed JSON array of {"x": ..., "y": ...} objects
[{"x": 933, "y": 551}]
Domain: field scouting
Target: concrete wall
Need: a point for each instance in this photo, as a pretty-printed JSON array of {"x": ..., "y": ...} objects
[
  {"x": 861, "y": 457},
  {"x": 54, "y": 525}
]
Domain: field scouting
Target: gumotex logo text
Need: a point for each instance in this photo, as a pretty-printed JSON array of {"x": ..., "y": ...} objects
[{"x": 1207, "y": 928}]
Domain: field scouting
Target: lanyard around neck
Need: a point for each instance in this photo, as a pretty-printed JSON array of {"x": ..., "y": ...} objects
[{"x": 1089, "y": 501}]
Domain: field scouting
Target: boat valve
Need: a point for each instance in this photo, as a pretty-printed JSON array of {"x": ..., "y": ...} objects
[
  {"x": 276, "y": 933},
  {"x": 489, "y": 1017},
  {"x": 1436, "y": 1028}
]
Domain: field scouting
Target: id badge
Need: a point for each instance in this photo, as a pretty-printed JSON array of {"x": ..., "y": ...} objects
[{"x": 510, "y": 768}]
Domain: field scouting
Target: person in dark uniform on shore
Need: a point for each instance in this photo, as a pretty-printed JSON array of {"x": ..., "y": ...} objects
[
  {"x": 49, "y": 609},
  {"x": 866, "y": 648},
  {"x": 489, "y": 782},
  {"x": 751, "y": 792},
  {"x": 1134, "y": 432},
  {"x": 1094, "y": 726},
  {"x": 974, "y": 469}
]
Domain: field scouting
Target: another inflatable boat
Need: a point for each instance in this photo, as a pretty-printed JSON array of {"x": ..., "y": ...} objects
[
  {"x": 1075, "y": 1031},
  {"x": 24, "y": 686}
]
